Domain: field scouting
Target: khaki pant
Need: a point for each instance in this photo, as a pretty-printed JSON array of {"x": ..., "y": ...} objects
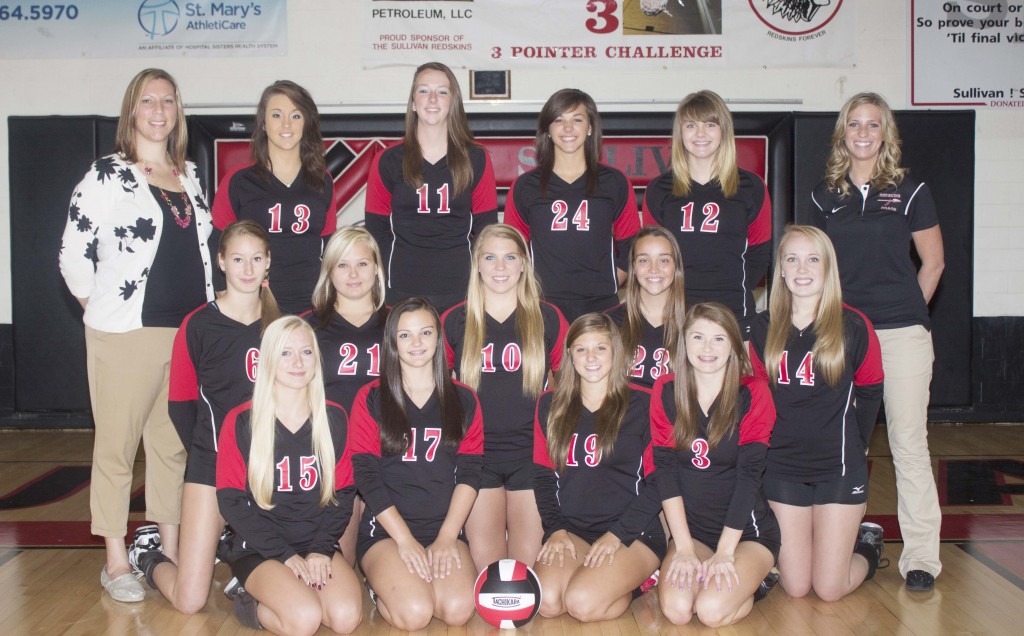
[
  {"x": 907, "y": 358},
  {"x": 128, "y": 375}
]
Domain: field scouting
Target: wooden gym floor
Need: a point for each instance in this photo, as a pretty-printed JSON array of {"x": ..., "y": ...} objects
[{"x": 50, "y": 564}]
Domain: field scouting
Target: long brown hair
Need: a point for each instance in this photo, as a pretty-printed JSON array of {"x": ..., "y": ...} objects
[
  {"x": 705, "y": 106},
  {"x": 675, "y": 306},
  {"x": 460, "y": 137},
  {"x": 688, "y": 413},
  {"x": 311, "y": 148},
  {"x": 395, "y": 430},
  {"x": 887, "y": 170},
  {"x": 124, "y": 139},
  {"x": 529, "y": 321},
  {"x": 567, "y": 401},
  {"x": 829, "y": 350},
  {"x": 269, "y": 311},
  {"x": 561, "y": 102}
]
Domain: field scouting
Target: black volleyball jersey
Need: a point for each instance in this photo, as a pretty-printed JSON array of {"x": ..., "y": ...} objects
[
  {"x": 296, "y": 217},
  {"x": 507, "y": 413},
  {"x": 652, "y": 359},
  {"x": 576, "y": 241},
  {"x": 726, "y": 242},
  {"x": 419, "y": 482},
  {"x": 296, "y": 524},
  {"x": 213, "y": 368},
  {"x": 424, "y": 233},
  {"x": 872, "y": 235},
  {"x": 350, "y": 354},
  {"x": 820, "y": 429},
  {"x": 720, "y": 486},
  {"x": 594, "y": 493}
]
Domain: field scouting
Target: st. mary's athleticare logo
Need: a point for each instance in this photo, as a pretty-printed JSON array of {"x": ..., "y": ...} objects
[
  {"x": 795, "y": 17},
  {"x": 158, "y": 17}
]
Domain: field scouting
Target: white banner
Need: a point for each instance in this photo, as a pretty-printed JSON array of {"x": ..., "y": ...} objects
[
  {"x": 967, "y": 53},
  {"x": 143, "y": 28},
  {"x": 516, "y": 34}
]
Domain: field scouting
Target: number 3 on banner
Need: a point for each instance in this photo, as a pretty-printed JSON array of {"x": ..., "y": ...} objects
[{"x": 605, "y": 9}]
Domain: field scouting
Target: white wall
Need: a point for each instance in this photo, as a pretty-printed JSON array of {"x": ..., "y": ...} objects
[{"x": 323, "y": 43}]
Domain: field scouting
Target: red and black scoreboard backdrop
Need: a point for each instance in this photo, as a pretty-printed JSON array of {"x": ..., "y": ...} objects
[{"x": 48, "y": 155}]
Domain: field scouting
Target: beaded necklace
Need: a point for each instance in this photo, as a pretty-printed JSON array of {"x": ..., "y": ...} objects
[{"x": 182, "y": 220}]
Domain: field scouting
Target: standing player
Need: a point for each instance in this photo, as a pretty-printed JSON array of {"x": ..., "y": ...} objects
[
  {"x": 578, "y": 215},
  {"x": 429, "y": 195},
  {"x": 651, "y": 318},
  {"x": 592, "y": 438},
  {"x": 502, "y": 343},
  {"x": 286, "y": 189},
  {"x": 284, "y": 483},
  {"x": 720, "y": 214},
  {"x": 348, "y": 317},
  {"x": 711, "y": 430},
  {"x": 213, "y": 367},
  {"x": 417, "y": 438},
  {"x": 826, "y": 379},
  {"x": 872, "y": 210}
]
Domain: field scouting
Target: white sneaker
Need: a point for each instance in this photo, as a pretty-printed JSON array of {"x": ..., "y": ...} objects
[{"x": 146, "y": 538}]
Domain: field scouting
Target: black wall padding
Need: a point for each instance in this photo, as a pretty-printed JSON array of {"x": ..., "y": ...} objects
[
  {"x": 946, "y": 163},
  {"x": 48, "y": 157}
]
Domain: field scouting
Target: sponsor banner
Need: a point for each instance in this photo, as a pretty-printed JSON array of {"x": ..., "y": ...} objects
[
  {"x": 143, "y": 28},
  {"x": 651, "y": 34},
  {"x": 967, "y": 53}
]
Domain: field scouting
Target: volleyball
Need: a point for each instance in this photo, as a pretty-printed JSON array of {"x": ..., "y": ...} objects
[{"x": 507, "y": 594}]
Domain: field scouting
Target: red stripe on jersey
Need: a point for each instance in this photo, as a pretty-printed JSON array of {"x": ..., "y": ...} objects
[
  {"x": 485, "y": 195},
  {"x": 512, "y": 216},
  {"x": 473, "y": 440},
  {"x": 343, "y": 473},
  {"x": 378, "y": 197},
  {"x": 540, "y": 442},
  {"x": 662, "y": 430},
  {"x": 646, "y": 218},
  {"x": 364, "y": 433},
  {"x": 449, "y": 352},
  {"x": 756, "y": 426},
  {"x": 183, "y": 385},
  {"x": 760, "y": 229},
  {"x": 559, "y": 349},
  {"x": 870, "y": 370},
  {"x": 331, "y": 222},
  {"x": 231, "y": 471},
  {"x": 223, "y": 211},
  {"x": 628, "y": 222},
  {"x": 755, "y": 361}
]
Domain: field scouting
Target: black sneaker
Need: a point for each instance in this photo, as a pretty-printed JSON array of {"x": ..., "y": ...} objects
[
  {"x": 870, "y": 545},
  {"x": 224, "y": 546},
  {"x": 245, "y": 606},
  {"x": 766, "y": 585},
  {"x": 148, "y": 561},
  {"x": 920, "y": 581}
]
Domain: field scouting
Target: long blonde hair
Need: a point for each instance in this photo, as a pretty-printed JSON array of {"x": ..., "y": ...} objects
[
  {"x": 830, "y": 344},
  {"x": 529, "y": 322},
  {"x": 460, "y": 137},
  {"x": 887, "y": 171},
  {"x": 675, "y": 307},
  {"x": 688, "y": 414},
  {"x": 124, "y": 139},
  {"x": 567, "y": 402},
  {"x": 705, "y": 106},
  {"x": 324, "y": 294},
  {"x": 263, "y": 416}
]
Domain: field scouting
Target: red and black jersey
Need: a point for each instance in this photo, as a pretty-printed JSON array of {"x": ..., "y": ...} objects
[
  {"x": 820, "y": 429},
  {"x": 594, "y": 493},
  {"x": 508, "y": 414},
  {"x": 726, "y": 242},
  {"x": 720, "y": 486},
  {"x": 419, "y": 482},
  {"x": 350, "y": 354},
  {"x": 651, "y": 360},
  {"x": 296, "y": 524},
  {"x": 213, "y": 368},
  {"x": 872, "y": 233},
  {"x": 576, "y": 241},
  {"x": 424, "y": 233},
  {"x": 295, "y": 217}
]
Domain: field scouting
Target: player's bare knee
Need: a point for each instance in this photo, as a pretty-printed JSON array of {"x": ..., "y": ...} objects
[
  {"x": 456, "y": 612},
  {"x": 302, "y": 618},
  {"x": 411, "y": 614},
  {"x": 343, "y": 618},
  {"x": 191, "y": 602},
  {"x": 796, "y": 589},
  {"x": 551, "y": 605},
  {"x": 678, "y": 613},
  {"x": 584, "y": 605},
  {"x": 715, "y": 611},
  {"x": 830, "y": 591}
]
